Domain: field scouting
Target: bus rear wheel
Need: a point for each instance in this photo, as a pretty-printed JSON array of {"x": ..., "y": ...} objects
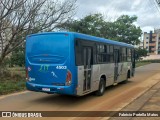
[{"x": 101, "y": 88}]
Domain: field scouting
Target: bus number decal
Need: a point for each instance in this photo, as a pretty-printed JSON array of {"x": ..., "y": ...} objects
[{"x": 61, "y": 67}]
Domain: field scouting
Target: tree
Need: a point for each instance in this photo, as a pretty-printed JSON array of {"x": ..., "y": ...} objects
[
  {"x": 158, "y": 2},
  {"x": 19, "y": 18},
  {"x": 141, "y": 53},
  {"x": 122, "y": 29},
  {"x": 126, "y": 31},
  {"x": 90, "y": 24},
  {"x": 18, "y": 57}
]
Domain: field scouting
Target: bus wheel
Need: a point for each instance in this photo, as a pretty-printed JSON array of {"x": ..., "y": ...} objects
[{"x": 101, "y": 88}]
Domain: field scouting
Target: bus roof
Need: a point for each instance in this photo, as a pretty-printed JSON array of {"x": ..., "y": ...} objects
[{"x": 88, "y": 37}]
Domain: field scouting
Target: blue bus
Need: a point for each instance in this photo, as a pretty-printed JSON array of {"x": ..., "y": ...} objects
[{"x": 76, "y": 64}]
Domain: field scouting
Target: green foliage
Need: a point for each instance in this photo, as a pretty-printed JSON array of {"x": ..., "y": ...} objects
[
  {"x": 91, "y": 24},
  {"x": 142, "y": 63},
  {"x": 141, "y": 53},
  {"x": 152, "y": 61},
  {"x": 122, "y": 29},
  {"x": 11, "y": 86},
  {"x": 126, "y": 31},
  {"x": 12, "y": 80},
  {"x": 17, "y": 57},
  {"x": 145, "y": 62}
]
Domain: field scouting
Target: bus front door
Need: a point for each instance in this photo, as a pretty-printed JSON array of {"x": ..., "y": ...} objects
[
  {"x": 116, "y": 61},
  {"x": 87, "y": 59}
]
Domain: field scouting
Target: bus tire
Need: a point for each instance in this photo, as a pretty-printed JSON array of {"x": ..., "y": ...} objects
[{"x": 101, "y": 88}]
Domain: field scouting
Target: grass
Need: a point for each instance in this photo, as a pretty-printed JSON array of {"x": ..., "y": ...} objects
[
  {"x": 11, "y": 86},
  {"x": 145, "y": 62},
  {"x": 142, "y": 63},
  {"x": 13, "y": 80}
]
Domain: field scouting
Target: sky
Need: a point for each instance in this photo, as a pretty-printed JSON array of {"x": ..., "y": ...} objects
[{"x": 147, "y": 11}]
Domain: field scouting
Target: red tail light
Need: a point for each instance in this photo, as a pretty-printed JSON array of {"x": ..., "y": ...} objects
[
  {"x": 27, "y": 70},
  {"x": 69, "y": 77}
]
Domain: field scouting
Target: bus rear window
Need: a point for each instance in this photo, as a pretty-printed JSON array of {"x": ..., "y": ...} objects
[{"x": 48, "y": 47}]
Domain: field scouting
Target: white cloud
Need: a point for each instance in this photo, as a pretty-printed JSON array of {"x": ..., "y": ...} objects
[
  {"x": 148, "y": 16},
  {"x": 147, "y": 28}
]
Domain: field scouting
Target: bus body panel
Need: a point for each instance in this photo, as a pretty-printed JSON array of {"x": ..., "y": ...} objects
[
  {"x": 98, "y": 71},
  {"x": 48, "y": 61},
  {"x": 49, "y": 57}
]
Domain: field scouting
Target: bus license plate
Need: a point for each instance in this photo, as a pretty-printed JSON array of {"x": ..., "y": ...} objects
[{"x": 46, "y": 89}]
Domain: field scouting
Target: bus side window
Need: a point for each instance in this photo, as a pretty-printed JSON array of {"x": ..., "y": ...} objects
[
  {"x": 120, "y": 55},
  {"x": 98, "y": 53},
  {"x": 119, "y": 52},
  {"x": 101, "y": 53},
  {"x": 78, "y": 52},
  {"x": 111, "y": 54},
  {"x": 128, "y": 54},
  {"x": 124, "y": 55},
  {"x": 108, "y": 53}
]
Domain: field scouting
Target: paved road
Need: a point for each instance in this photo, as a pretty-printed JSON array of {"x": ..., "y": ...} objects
[{"x": 115, "y": 97}]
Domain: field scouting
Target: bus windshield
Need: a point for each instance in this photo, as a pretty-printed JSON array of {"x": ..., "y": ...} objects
[{"x": 52, "y": 48}]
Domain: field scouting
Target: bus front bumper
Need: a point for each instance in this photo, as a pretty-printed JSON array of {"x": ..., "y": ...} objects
[{"x": 70, "y": 90}]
